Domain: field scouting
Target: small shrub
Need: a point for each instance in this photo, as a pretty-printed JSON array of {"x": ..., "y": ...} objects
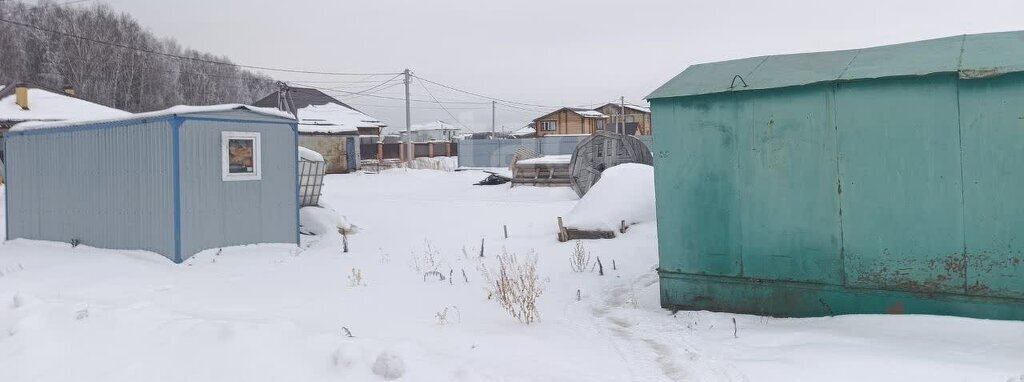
[
  {"x": 580, "y": 259},
  {"x": 515, "y": 286},
  {"x": 356, "y": 278},
  {"x": 442, "y": 316},
  {"x": 429, "y": 260}
]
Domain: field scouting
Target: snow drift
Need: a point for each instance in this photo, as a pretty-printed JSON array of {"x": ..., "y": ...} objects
[{"x": 625, "y": 192}]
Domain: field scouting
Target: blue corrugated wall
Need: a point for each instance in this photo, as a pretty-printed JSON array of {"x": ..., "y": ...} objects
[
  {"x": 105, "y": 186},
  {"x": 152, "y": 184}
]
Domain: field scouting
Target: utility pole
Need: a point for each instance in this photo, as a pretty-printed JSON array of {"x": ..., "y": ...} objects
[
  {"x": 622, "y": 105},
  {"x": 408, "y": 121},
  {"x": 493, "y": 105}
]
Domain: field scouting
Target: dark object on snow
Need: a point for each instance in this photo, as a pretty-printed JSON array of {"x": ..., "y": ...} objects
[
  {"x": 493, "y": 179},
  {"x": 583, "y": 234}
]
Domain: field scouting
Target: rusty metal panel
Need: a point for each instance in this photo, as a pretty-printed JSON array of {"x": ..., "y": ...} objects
[
  {"x": 902, "y": 206},
  {"x": 787, "y": 184},
  {"x": 992, "y": 119}
]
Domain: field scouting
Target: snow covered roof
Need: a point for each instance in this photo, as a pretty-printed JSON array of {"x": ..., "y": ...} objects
[
  {"x": 548, "y": 159},
  {"x": 526, "y": 130},
  {"x": 175, "y": 110},
  {"x": 49, "y": 106},
  {"x": 320, "y": 113},
  {"x": 333, "y": 118},
  {"x": 436, "y": 125},
  {"x": 616, "y": 106},
  {"x": 586, "y": 113}
]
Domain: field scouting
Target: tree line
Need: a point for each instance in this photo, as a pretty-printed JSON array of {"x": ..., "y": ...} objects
[{"x": 127, "y": 79}]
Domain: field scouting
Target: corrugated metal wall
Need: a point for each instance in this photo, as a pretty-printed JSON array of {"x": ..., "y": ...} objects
[
  {"x": 889, "y": 195},
  {"x": 215, "y": 213},
  {"x": 109, "y": 188},
  {"x": 498, "y": 152}
]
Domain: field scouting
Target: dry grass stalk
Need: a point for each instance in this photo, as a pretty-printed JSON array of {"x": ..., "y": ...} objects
[
  {"x": 580, "y": 259},
  {"x": 516, "y": 286}
]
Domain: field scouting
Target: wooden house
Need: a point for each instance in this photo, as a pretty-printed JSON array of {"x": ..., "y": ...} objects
[
  {"x": 638, "y": 118},
  {"x": 570, "y": 120}
]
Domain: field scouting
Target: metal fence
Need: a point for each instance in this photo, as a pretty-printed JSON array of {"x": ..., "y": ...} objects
[
  {"x": 387, "y": 151},
  {"x": 498, "y": 152},
  {"x": 311, "y": 182}
]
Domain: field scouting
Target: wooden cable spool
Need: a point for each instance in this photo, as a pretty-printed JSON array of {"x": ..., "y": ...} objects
[{"x": 600, "y": 151}]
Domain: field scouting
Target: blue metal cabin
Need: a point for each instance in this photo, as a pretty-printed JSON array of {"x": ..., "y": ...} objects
[
  {"x": 875, "y": 180},
  {"x": 161, "y": 181}
]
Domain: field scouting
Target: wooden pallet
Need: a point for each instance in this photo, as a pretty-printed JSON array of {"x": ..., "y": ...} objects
[{"x": 545, "y": 175}]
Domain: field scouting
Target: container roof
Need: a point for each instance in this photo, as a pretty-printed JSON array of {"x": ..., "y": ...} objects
[
  {"x": 971, "y": 56},
  {"x": 174, "y": 110}
]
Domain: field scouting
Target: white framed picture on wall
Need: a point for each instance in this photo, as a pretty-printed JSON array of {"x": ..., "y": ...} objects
[{"x": 240, "y": 153}]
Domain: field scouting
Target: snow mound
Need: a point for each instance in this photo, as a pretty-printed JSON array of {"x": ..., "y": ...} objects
[
  {"x": 310, "y": 155},
  {"x": 389, "y": 365},
  {"x": 347, "y": 355},
  {"x": 624, "y": 192},
  {"x": 446, "y": 164},
  {"x": 322, "y": 221}
]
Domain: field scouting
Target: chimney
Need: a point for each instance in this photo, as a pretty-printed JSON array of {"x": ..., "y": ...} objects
[
  {"x": 69, "y": 90},
  {"x": 21, "y": 95}
]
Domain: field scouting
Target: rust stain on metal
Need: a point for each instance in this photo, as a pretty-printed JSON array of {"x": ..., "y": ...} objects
[
  {"x": 895, "y": 308},
  {"x": 967, "y": 74},
  {"x": 924, "y": 276}
]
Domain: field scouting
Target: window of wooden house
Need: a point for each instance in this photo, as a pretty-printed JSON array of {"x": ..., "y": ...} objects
[
  {"x": 630, "y": 118},
  {"x": 549, "y": 125},
  {"x": 240, "y": 155}
]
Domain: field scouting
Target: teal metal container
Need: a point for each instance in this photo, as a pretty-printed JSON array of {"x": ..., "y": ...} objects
[{"x": 879, "y": 180}]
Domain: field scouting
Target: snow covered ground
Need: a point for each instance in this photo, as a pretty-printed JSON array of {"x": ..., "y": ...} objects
[{"x": 277, "y": 313}]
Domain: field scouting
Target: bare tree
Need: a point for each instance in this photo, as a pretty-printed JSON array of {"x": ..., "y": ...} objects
[{"x": 131, "y": 79}]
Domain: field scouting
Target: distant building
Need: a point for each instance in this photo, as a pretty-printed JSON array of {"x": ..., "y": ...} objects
[
  {"x": 432, "y": 132},
  {"x": 527, "y": 131},
  {"x": 24, "y": 103},
  {"x": 638, "y": 118},
  {"x": 327, "y": 125},
  {"x": 570, "y": 120}
]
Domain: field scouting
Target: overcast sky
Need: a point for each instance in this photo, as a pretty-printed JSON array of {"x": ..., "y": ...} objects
[{"x": 549, "y": 52}]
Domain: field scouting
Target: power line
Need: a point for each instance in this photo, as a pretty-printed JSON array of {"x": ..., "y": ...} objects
[
  {"x": 175, "y": 56},
  {"x": 368, "y": 91},
  {"x": 415, "y": 107},
  {"x": 347, "y": 93},
  {"x": 445, "y": 108},
  {"x": 481, "y": 95}
]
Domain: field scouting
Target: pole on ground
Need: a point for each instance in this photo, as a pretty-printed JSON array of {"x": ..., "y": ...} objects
[
  {"x": 408, "y": 119},
  {"x": 493, "y": 106},
  {"x": 622, "y": 105}
]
